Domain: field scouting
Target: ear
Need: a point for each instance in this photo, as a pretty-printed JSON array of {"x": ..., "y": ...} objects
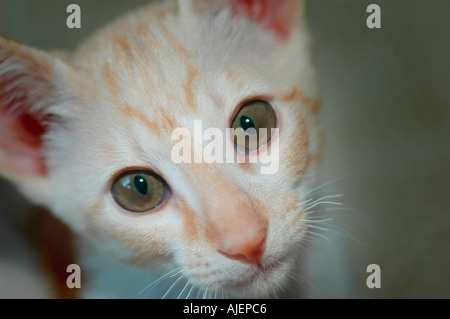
[
  {"x": 27, "y": 91},
  {"x": 280, "y": 16}
]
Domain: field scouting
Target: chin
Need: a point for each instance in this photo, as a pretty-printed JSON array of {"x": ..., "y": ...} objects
[
  {"x": 249, "y": 281},
  {"x": 264, "y": 282}
]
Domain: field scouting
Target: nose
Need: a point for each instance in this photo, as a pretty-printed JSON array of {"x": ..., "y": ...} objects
[
  {"x": 234, "y": 223},
  {"x": 247, "y": 247}
]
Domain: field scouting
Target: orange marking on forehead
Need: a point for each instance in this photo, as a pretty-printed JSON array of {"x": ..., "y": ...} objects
[
  {"x": 169, "y": 120},
  {"x": 174, "y": 42},
  {"x": 235, "y": 78},
  {"x": 150, "y": 42},
  {"x": 161, "y": 14},
  {"x": 126, "y": 47},
  {"x": 189, "y": 88},
  {"x": 298, "y": 95},
  {"x": 110, "y": 149},
  {"x": 143, "y": 30},
  {"x": 132, "y": 112},
  {"x": 110, "y": 80},
  {"x": 182, "y": 50}
]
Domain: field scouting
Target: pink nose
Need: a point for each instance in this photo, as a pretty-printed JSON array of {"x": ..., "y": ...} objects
[{"x": 248, "y": 248}]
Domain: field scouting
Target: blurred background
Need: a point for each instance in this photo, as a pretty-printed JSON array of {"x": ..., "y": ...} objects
[{"x": 386, "y": 116}]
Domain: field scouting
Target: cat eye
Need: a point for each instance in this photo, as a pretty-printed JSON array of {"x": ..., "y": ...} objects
[
  {"x": 139, "y": 191},
  {"x": 251, "y": 117}
]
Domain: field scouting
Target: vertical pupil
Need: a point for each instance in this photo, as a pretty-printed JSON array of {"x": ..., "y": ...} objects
[
  {"x": 246, "y": 122},
  {"x": 141, "y": 184}
]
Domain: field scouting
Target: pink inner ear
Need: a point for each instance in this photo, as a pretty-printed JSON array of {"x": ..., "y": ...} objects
[
  {"x": 21, "y": 140},
  {"x": 25, "y": 84},
  {"x": 278, "y": 15},
  {"x": 31, "y": 129}
]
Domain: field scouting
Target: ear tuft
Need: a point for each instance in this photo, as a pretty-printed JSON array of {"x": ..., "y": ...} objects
[{"x": 277, "y": 15}]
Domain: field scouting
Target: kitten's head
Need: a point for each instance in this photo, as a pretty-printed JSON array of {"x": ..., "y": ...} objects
[{"x": 90, "y": 136}]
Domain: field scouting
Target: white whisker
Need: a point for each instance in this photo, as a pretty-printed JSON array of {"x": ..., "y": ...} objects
[
  {"x": 171, "y": 287},
  {"x": 190, "y": 291},
  {"x": 318, "y": 220},
  {"x": 157, "y": 281},
  {"x": 318, "y": 234},
  {"x": 327, "y": 183},
  {"x": 322, "y": 198},
  {"x": 346, "y": 234},
  {"x": 321, "y": 203},
  {"x": 187, "y": 283}
]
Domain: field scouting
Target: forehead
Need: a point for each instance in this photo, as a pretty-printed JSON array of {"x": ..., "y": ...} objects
[
  {"x": 158, "y": 62},
  {"x": 161, "y": 51},
  {"x": 157, "y": 70}
]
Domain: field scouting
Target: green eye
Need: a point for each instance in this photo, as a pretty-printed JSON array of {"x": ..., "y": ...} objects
[
  {"x": 252, "y": 117},
  {"x": 139, "y": 191}
]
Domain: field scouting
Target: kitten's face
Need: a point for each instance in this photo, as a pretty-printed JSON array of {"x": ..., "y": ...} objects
[{"x": 227, "y": 225}]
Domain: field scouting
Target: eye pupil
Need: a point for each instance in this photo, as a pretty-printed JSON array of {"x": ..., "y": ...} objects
[
  {"x": 141, "y": 185},
  {"x": 246, "y": 123}
]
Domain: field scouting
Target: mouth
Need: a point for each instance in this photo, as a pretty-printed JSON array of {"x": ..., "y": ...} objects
[
  {"x": 262, "y": 281},
  {"x": 237, "y": 279}
]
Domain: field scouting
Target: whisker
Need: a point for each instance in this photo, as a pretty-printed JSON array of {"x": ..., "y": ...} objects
[
  {"x": 187, "y": 283},
  {"x": 346, "y": 234},
  {"x": 318, "y": 220},
  {"x": 328, "y": 183},
  {"x": 340, "y": 231},
  {"x": 339, "y": 208},
  {"x": 157, "y": 281},
  {"x": 317, "y": 234},
  {"x": 320, "y": 228},
  {"x": 171, "y": 287},
  {"x": 322, "y": 198},
  {"x": 323, "y": 202},
  {"x": 190, "y": 291}
]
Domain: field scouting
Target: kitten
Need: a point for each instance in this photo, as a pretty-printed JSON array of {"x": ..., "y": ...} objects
[{"x": 88, "y": 136}]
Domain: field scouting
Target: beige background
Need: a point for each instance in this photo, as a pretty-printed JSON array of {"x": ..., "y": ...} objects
[{"x": 386, "y": 113}]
